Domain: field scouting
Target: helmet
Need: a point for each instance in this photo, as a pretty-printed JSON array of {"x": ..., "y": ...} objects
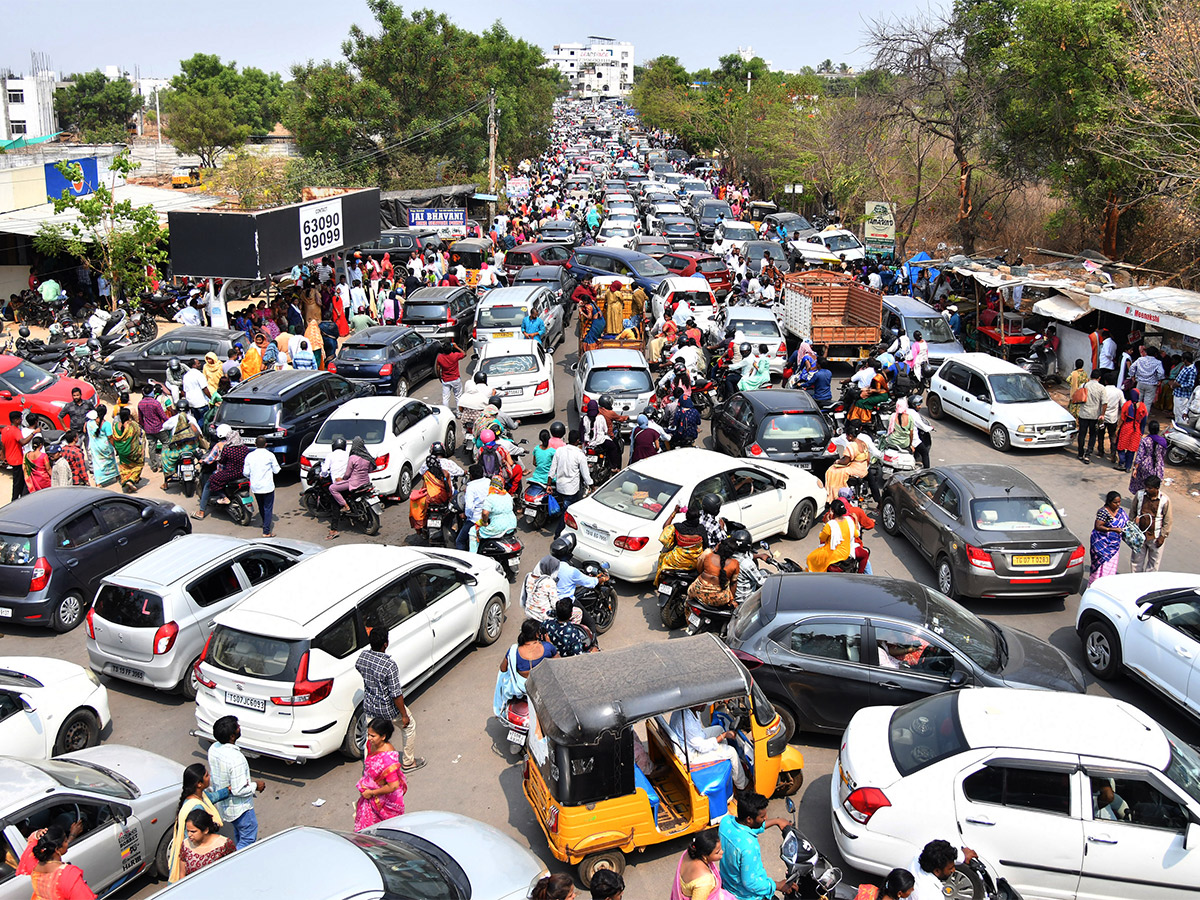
[
  {"x": 181, "y": 405},
  {"x": 174, "y": 365},
  {"x": 437, "y": 449},
  {"x": 93, "y": 344},
  {"x": 487, "y": 436},
  {"x": 711, "y": 504},
  {"x": 606, "y": 401},
  {"x": 24, "y": 331},
  {"x": 679, "y": 366},
  {"x": 56, "y": 329},
  {"x": 563, "y": 547},
  {"x": 744, "y": 348},
  {"x": 557, "y": 429},
  {"x": 480, "y": 378},
  {"x": 339, "y": 443},
  {"x": 741, "y": 540}
]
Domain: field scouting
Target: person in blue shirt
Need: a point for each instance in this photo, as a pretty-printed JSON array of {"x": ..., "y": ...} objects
[
  {"x": 533, "y": 328},
  {"x": 742, "y": 871},
  {"x": 818, "y": 381}
]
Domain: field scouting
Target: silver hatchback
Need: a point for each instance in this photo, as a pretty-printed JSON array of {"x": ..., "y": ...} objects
[
  {"x": 621, "y": 373},
  {"x": 151, "y": 618}
]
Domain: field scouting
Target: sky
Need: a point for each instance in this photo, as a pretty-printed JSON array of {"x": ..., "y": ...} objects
[{"x": 151, "y": 36}]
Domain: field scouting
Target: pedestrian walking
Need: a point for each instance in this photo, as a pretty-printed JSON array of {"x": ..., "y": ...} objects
[
  {"x": 1151, "y": 454},
  {"x": 383, "y": 694},
  {"x": 383, "y": 785},
  {"x": 232, "y": 788},
  {"x": 1091, "y": 411},
  {"x": 447, "y": 363},
  {"x": 151, "y": 416},
  {"x": 261, "y": 467},
  {"x": 1151, "y": 510},
  {"x": 193, "y": 797},
  {"x": 1184, "y": 381}
]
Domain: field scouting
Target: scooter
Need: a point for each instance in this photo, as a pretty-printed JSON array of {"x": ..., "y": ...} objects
[
  {"x": 1183, "y": 444},
  {"x": 672, "y": 596},
  {"x": 241, "y": 502},
  {"x": 443, "y": 520},
  {"x": 187, "y": 471},
  {"x": 506, "y": 550},
  {"x": 1041, "y": 362},
  {"x": 516, "y": 719},
  {"x": 536, "y": 502},
  {"x": 364, "y": 506}
]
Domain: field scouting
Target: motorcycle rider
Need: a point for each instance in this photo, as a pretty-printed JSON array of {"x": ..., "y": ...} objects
[
  {"x": 715, "y": 528},
  {"x": 570, "y": 579},
  {"x": 174, "y": 378},
  {"x": 437, "y": 473},
  {"x": 682, "y": 544},
  {"x": 558, "y": 434},
  {"x": 333, "y": 466},
  {"x": 733, "y": 372},
  {"x": 181, "y": 434},
  {"x": 933, "y": 865},
  {"x": 742, "y": 871},
  {"x": 750, "y": 576},
  {"x": 818, "y": 383},
  {"x": 357, "y": 475}
]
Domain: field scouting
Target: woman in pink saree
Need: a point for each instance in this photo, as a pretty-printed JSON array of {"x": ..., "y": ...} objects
[{"x": 382, "y": 786}]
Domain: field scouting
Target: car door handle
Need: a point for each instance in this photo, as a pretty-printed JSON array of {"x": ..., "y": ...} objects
[
  {"x": 893, "y": 686},
  {"x": 1100, "y": 839},
  {"x": 121, "y": 542},
  {"x": 1183, "y": 651},
  {"x": 72, "y": 562},
  {"x": 988, "y": 822},
  {"x": 793, "y": 668}
]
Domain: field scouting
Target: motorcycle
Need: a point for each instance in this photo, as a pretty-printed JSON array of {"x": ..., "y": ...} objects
[
  {"x": 1183, "y": 444},
  {"x": 187, "y": 471},
  {"x": 672, "y": 596},
  {"x": 506, "y": 550},
  {"x": 1041, "y": 362},
  {"x": 241, "y": 502},
  {"x": 142, "y": 327},
  {"x": 444, "y": 520},
  {"x": 599, "y": 602},
  {"x": 516, "y": 720},
  {"x": 363, "y": 505},
  {"x": 536, "y": 501},
  {"x": 702, "y": 617},
  {"x": 109, "y": 383}
]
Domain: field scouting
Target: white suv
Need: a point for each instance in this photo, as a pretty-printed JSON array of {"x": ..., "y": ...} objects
[{"x": 283, "y": 659}]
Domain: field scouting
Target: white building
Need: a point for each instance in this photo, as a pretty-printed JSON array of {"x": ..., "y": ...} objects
[
  {"x": 27, "y": 105},
  {"x": 601, "y": 68}
]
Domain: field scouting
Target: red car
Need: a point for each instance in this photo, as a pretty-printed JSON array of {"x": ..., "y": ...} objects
[
  {"x": 24, "y": 385},
  {"x": 697, "y": 262},
  {"x": 534, "y": 254}
]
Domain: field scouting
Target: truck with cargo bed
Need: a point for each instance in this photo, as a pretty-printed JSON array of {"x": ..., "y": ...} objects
[{"x": 838, "y": 316}]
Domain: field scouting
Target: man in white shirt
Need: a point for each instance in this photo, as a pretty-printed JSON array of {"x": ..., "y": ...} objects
[
  {"x": 261, "y": 467},
  {"x": 933, "y": 865},
  {"x": 863, "y": 377},
  {"x": 189, "y": 315},
  {"x": 487, "y": 276},
  {"x": 1108, "y": 351},
  {"x": 358, "y": 299},
  {"x": 569, "y": 475},
  {"x": 474, "y": 496},
  {"x": 195, "y": 387},
  {"x": 708, "y": 743},
  {"x": 343, "y": 293},
  {"x": 768, "y": 293},
  {"x": 335, "y": 463},
  {"x": 683, "y": 312}
]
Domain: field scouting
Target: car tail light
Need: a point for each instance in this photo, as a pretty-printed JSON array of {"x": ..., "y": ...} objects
[
  {"x": 542, "y": 388},
  {"x": 474, "y": 333},
  {"x": 450, "y": 321},
  {"x": 385, "y": 369},
  {"x": 305, "y": 461},
  {"x": 399, "y": 313},
  {"x": 569, "y": 521},
  {"x": 782, "y": 349},
  {"x": 164, "y": 638},
  {"x": 750, "y": 662},
  {"x": 980, "y": 559},
  {"x": 88, "y": 623},
  {"x": 41, "y": 574},
  {"x": 831, "y": 447},
  {"x": 381, "y": 462},
  {"x": 756, "y": 450},
  {"x": 1076, "y": 557},
  {"x": 196, "y": 669},
  {"x": 864, "y": 803},
  {"x": 305, "y": 692},
  {"x": 631, "y": 543},
  {"x": 332, "y": 367}
]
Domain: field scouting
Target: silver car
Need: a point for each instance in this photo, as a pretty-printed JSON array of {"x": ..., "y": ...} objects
[
  {"x": 501, "y": 313},
  {"x": 619, "y": 372},
  {"x": 427, "y": 854},
  {"x": 125, "y": 797},
  {"x": 152, "y": 617}
]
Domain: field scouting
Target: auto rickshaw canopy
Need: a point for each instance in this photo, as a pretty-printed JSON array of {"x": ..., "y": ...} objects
[
  {"x": 471, "y": 247},
  {"x": 580, "y": 698}
]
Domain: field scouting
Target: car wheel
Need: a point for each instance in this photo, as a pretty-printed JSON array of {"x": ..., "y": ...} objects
[
  {"x": 404, "y": 484},
  {"x": 890, "y": 516},
  {"x": 790, "y": 727},
  {"x": 802, "y": 520},
  {"x": 964, "y": 884},
  {"x": 945, "y": 577},
  {"x": 933, "y": 405},
  {"x": 1177, "y": 456},
  {"x": 451, "y": 440},
  {"x": 162, "y": 856},
  {"x": 1101, "y": 649},
  {"x": 189, "y": 686},
  {"x": 1000, "y": 438},
  {"x": 613, "y": 860},
  {"x": 356, "y": 736},
  {"x": 41, "y": 423},
  {"x": 68, "y": 613},
  {"x": 492, "y": 622},
  {"x": 402, "y": 386},
  {"x": 80, "y": 731}
]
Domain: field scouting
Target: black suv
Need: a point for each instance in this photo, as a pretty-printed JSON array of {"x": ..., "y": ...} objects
[
  {"x": 783, "y": 425},
  {"x": 400, "y": 242},
  {"x": 442, "y": 313},
  {"x": 288, "y": 407},
  {"x": 143, "y": 363},
  {"x": 388, "y": 358}
]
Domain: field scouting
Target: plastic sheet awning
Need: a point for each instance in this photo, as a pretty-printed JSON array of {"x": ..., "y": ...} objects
[
  {"x": 1064, "y": 307},
  {"x": 1168, "y": 308}
]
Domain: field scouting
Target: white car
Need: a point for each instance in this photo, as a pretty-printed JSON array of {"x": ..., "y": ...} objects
[
  {"x": 398, "y": 431},
  {"x": 756, "y": 325},
  {"x": 621, "y": 522},
  {"x": 1062, "y": 795},
  {"x": 841, "y": 243},
  {"x": 693, "y": 290},
  {"x": 522, "y": 372},
  {"x": 618, "y": 233},
  {"x": 1001, "y": 399},
  {"x": 1147, "y": 625},
  {"x": 729, "y": 235},
  {"x": 49, "y": 706},
  {"x": 283, "y": 659}
]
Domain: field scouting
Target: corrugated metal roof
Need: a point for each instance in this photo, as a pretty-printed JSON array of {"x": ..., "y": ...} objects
[{"x": 30, "y": 221}]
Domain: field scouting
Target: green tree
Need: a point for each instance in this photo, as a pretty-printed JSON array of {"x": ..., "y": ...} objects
[
  {"x": 99, "y": 109},
  {"x": 204, "y": 126},
  {"x": 254, "y": 94},
  {"x": 112, "y": 237}
]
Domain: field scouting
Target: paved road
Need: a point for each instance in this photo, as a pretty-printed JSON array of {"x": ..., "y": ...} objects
[{"x": 470, "y": 769}]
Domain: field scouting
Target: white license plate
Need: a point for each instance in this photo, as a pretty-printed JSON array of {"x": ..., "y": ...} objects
[
  {"x": 515, "y": 737},
  {"x": 693, "y": 620},
  {"x": 595, "y": 533},
  {"x": 664, "y": 589},
  {"x": 127, "y": 672},
  {"x": 804, "y": 465},
  {"x": 431, "y": 522},
  {"x": 187, "y": 472},
  {"x": 530, "y": 514},
  {"x": 426, "y": 329},
  {"x": 509, "y": 392},
  {"x": 255, "y": 703},
  {"x": 5, "y": 613},
  {"x": 375, "y": 503}
]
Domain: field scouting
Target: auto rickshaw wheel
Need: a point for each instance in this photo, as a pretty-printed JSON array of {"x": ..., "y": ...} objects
[
  {"x": 613, "y": 860},
  {"x": 789, "y": 783}
]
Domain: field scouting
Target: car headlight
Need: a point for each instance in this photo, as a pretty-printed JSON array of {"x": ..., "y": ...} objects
[
  {"x": 1025, "y": 429},
  {"x": 92, "y": 677}
]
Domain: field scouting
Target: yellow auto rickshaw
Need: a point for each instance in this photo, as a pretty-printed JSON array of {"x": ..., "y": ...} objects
[
  {"x": 471, "y": 254},
  {"x": 594, "y": 718},
  {"x": 757, "y": 210},
  {"x": 185, "y": 176}
]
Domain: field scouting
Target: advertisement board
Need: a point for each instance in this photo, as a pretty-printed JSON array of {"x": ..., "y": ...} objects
[
  {"x": 56, "y": 182},
  {"x": 447, "y": 222},
  {"x": 517, "y": 188},
  {"x": 879, "y": 227}
]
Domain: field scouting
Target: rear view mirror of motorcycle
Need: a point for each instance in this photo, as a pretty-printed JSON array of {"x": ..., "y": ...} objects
[{"x": 791, "y": 805}]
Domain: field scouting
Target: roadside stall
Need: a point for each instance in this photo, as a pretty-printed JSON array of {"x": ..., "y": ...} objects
[{"x": 1169, "y": 316}]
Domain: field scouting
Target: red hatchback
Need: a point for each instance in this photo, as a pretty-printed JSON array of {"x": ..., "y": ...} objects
[
  {"x": 24, "y": 385},
  {"x": 534, "y": 254},
  {"x": 697, "y": 262}
]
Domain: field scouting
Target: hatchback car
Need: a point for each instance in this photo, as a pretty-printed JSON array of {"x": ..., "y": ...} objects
[
  {"x": 49, "y": 706},
  {"x": 283, "y": 659},
  {"x": 25, "y": 386},
  {"x": 441, "y": 313},
  {"x": 755, "y": 325},
  {"x": 1063, "y": 795},
  {"x": 539, "y": 253},
  {"x": 125, "y": 799},
  {"x": 754, "y": 251},
  {"x": 56, "y": 545},
  {"x": 733, "y": 234},
  {"x": 399, "y": 242},
  {"x": 521, "y": 372},
  {"x": 621, "y": 521},
  {"x": 711, "y": 268},
  {"x": 423, "y": 855},
  {"x": 654, "y": 245},
  {"x": 783, "y": 425},
  {"x": 501, "y": 313},
  {"x": 823, "y": 646},
  {"x": 286, "y": 407},
  {"x": 695, "y": 291},
  {"x": 143, "y": 363},
  {"x": 708, "y": 213},
  {"x": 680, "y": 232},
  {"x": 391, "y": 359},
  {"x": 621, "y": 373},
  {"x": 559, "y": 231},
  {"x": 151, "y": 617},
  {"x": 988, "y": 531},
  {"x": 617, "y": 233},
  {"x": 1001, "y": 399}
]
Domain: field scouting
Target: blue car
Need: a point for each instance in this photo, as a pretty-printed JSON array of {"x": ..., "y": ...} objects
[
  {"x": 638, "y": 268},
  {"x": 389, "y": 358}
]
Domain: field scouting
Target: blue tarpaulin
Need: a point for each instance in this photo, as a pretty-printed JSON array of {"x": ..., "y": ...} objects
[{"x": 913, "y": 271}]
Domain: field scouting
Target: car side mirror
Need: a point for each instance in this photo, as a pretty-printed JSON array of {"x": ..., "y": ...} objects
[
  {"x": 27, "y": 704},
  {"x": 148, "y": 513},
  {"x": 470, "y": 579},
  {"x": 957, "y": 681},
  {"x": 982, "y": 398},
  {"x": 6, "y": 395},
  {"x": 1191, "y": 838}
]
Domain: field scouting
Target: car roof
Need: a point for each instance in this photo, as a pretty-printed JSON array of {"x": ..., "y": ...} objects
[
  {"x": 534, "y": 246},
  {"x": 203, "y": 331},
  {"x": 31, "y": 512},
  {"x": 433, "y": 293},
  {"x": 548, "y": 273},
  {"x": 699, "y": 463},
  {"x": 277, "y": 383},
  {"x": 376, "y": 334},
  {"x": 694, "y": 255},
  {"x": 172, "y": 561},
  {"x": 1085, "y": 724},
  {"x": 516, "y": 294},
  {"x": 687, "y": 283},
  {"x": 987, "y": 364},
  {"x": 621, "y": 253},
  {"x": 988, "y": 480},
  {"x": 778, "y": 399},
  {"x": 20, "y": 781},
  {"x": 371, "y": 407},
  {"x": 615, "y": 356},
  {"x": 824, "y": 592},
  {"x": 508, "y": 347},
  {"x": 909, "y": 306},
  {"x": 748, "y": 313}
]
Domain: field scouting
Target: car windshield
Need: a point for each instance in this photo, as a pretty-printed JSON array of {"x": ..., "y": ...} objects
[
  {"x": 647, "y": 267},
  {"x": 496, "y": 316},
  {"x": 618, "y": 381},
  {"x": 716, "y": 210},
  {"x": 16, "y": 549},
  {"x": 81, "y": 776},
  {"x": 1018, "y": 387},
  {"x": 615, "y": 231},
  {"x": 26, "y": 378},
  {"x": 363, "y": 352},
  {"x": 693, "y": 298},
  {"x": 755, "y": 327},
  {"x": 925, "y": 732},
  {"x": 964, "y": 631},
  {"x": 517, "y": 364},
  {"x": 130, "y": 607},
  {"x": 636, "y": 494},
  {"x": 239, "y": 413},
  {"x": 372, "y": 431},
  {"x": 934, "y": 329},
  {"x": 709, "y": 266},
  {"x": 839, "y": 242},
  {"x": 1015, "y": 514},
  {"x": 679, "y": 228},
  {"x": 407, "y": 872},
  {"x": 1183, "y": 768},
  {"x": 779, "y": 430},
  {"x": 772, "y": 250},
  {"x": 254, "y": 655}
]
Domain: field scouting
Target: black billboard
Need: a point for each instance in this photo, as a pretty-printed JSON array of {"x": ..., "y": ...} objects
[{"x": 217, "y": 244}]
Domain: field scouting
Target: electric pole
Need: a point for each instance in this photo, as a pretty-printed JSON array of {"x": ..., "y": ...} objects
[{"x": 491, "y": 126}]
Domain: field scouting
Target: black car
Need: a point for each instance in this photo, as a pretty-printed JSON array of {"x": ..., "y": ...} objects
[
  {"x": 708, "y": 214},
  {"x": 560, "y": 232},
  {"x": 988, "y": 531},
  {"x": 654, "y": 245},
  {"x": 147, "y": 362},
  {"x": 786, "y": 426},
  {"x": 57, "y": 543},
  {"x": 680, "y": 232},
  {"x": 399, "y": 242},
  {"x": 388, "y": 358},
  {"x": 798, "y": 227},
  {"x": 754, "y": 251},
  {"x": 822, "y": 646},
  {"x": 442, "y": 313},
  {"x": 287, "y": 407},
  {"x": 553, "y": 277},
  {"x": 644, "y": 271}
]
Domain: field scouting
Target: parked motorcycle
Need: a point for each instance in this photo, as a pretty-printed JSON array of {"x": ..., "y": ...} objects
[
  {"x": 1183, "y": 444},
  {"x": 364, "y": 506},
  {"x": 1041, "y": 362}
]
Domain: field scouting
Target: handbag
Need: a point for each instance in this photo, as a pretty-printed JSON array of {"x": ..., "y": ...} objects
[
  {"x": 1079, "y": 395},
  {"x": 1134, "y": 537}
]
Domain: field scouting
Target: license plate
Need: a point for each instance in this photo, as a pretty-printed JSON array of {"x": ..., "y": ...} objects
[
  {"x": 515, "y": 737},
  {"x": 595, "y": 533},
  {"x": 247, "y": 501},
  {"x": 426, "y": 329},
  {"x": 187, "y": 472},
  {"x": 127, "y": 672},
  {"x": 501, "y": 334},
  {"x": 530, "y": 515},
  {"x": 375, "y": 504},
  {"x": 509, "y": 392},
  {"x": 665, "y": 589},
  {"x": 1031, "y": 560},
  {"x": 431, "y": 522},
  {"x": 5, "y": 613},
  {"x": 805, "y": 465},
  {"x": 693, "y": 620},
  {"x": 255, "y": 703}
]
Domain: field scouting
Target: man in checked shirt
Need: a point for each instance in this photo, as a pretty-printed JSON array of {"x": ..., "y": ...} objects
[{"x": 383, "y": 694}]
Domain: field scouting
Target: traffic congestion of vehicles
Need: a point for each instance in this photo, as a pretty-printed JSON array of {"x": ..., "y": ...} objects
[{"x": 613, "y": 513}]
